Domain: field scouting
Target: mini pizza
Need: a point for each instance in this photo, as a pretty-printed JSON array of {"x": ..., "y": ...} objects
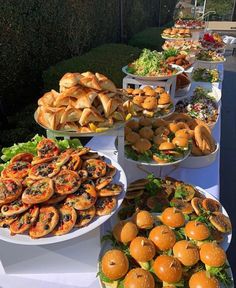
[
  {"x": 96, "y": 168},
  {"x": 111, "y": 170},
  {"x": 47, "y": 148},
  {"x": 90, "y": 155},
  {"x": 66, "y": 182},
  {"x": 102, "y": 182},
  {"x": 39, "y": 160},
  {"x": 43, "y": 170},
  {"x": 67, "y": 219},
  {"x": 74, "y": 162},
  {"x": 84, "y": 198},
  {"x": 110, "y": 190},
  {"x": 55, "y": 199},
  {"x": 105, "y": 205},
  {"x": 25, "y": 157},
  {"x": 5, "y": 222},
  {"x": 17, "y": 169},
  {"x": 10, "y": 190},
  {"x": 39, "y": 192},
  {"x": 46, "y": 223},
  {"x": 82, "y": 151},
  {"x": 14, "y": 208},
  {"x": 64, "y": 157},
  {"x": 25, "y": 221},
  {"x": 84, "y": 217}
]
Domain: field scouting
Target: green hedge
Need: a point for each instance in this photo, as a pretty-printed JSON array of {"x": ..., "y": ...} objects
[
  {"x": 38, "y": 33},
  {"x": 107, "y": 59}
]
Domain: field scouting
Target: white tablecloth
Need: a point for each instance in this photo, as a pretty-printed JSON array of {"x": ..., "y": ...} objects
[{"x": 73, "y": 263}]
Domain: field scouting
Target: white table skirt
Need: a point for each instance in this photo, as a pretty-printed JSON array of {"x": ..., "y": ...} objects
[{"x": 73, "y": 264}]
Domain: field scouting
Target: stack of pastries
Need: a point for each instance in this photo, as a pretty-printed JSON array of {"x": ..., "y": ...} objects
[
  {"x": 86, "y": 103},
  {"x": 55, "y": 191}
]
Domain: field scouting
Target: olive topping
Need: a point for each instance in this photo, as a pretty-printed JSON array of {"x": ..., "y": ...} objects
[
  {"x": 5, "y": 209},
  {"x": 67, "y": 217},
  {"x": 46, "y": 227}
]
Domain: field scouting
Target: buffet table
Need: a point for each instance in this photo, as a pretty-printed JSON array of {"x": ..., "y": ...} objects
[{"x": 74, "y": 263}]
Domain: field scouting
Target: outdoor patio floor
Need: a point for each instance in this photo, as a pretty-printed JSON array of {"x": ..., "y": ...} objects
[{"x": 228, "y": 151}]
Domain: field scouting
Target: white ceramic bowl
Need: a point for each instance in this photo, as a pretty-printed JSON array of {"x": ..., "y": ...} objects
[{"x": 200, "y": 161}]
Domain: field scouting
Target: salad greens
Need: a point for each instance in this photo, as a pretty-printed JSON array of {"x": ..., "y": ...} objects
[
  {"x": 30, "y": 147},
  {"x": 152, "y": 63},
  {"x": 206, "y": 75}
]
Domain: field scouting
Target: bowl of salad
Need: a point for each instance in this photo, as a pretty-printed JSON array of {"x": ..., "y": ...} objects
[
  {"x": 200, "y": 106},
  {"x": 209, "y": 56},
  {"x": 152, "y": 66},
  {"x": 206, "y": 75}
]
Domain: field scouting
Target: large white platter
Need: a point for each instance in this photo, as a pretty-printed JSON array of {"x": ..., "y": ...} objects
[
  {"x": 154, "y": 78},
  {"x": 227, "y": 237},
  {"x": 154, "y": 163},
  {"x": 210, "y": 62},
  {"x": 176, "y": 38},
  {"x": 70, "y": 133},
  {"x": 24, "y": 239},
  {"x": 225, "y": 244}
]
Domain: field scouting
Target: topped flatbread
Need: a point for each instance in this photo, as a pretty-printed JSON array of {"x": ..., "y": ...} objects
[
  {"x": 14, "y": 208},
  {"x": 66, "y": 182},
  {"x": 47, "y": 148},
  {"x": 46, "y": 223},
  {"x": 43, "y": 170},
  {"x": 17, "y": 169},
  {"x": 25, "y": 157},
  {"x": 39, "y": 192},
  {"x": 96, "y": 168},
  {"x": 10, "y": 190}
]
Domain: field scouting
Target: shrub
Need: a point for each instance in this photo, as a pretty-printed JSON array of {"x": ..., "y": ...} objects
[{"x": 107, "y": 59}]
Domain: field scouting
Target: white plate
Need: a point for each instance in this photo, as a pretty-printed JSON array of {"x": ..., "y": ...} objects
[
  {"x": 23, "y": 239},
  {"x": 194, "y": 162},
  {"x": 154, "y": 78},
  {"x": 176, "y": 38},
  {"x": 210, "y": 62},
  {"x": 225, "y": 244},
  {"x": 154, "y": 163},
  {"x": 62, "y": 133},
  {"x": 213, "y": 89},
  {"x": 227, "y": 238}
]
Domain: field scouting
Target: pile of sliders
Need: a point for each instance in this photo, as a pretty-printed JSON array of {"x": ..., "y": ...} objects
[
  {"x": 163, "y": 251},
  {"x": 155, "y": 140},
  {"x": 197, "y": 130},
  {"x": 176, "y": 33},
  {"x": 86, "y": 103},
  {"x": 148, "y": 102},
  {"x": 55, "y": 191},
  {"x": 155, "y": 195}
]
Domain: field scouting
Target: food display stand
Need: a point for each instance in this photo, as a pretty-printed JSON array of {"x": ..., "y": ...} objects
[{"x": 73, "y": 263}]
